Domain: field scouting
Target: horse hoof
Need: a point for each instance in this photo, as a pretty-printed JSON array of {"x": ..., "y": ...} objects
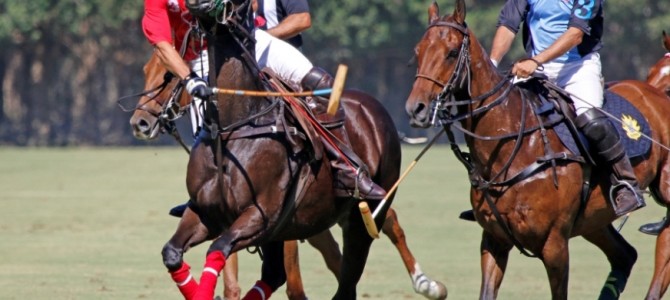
[
  {"x": 431, "y": 289},
  {"x": 172, "y": 257},
  {"x": 437, "y": 291}
]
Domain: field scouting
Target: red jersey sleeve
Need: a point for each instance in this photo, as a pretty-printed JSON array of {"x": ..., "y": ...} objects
[{"x": 156, "y": 22}]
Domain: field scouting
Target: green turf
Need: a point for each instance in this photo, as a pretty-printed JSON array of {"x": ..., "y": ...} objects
[{"x": 90, "y": 223}]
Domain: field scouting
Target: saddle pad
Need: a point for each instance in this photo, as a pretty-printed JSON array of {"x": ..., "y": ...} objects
[{"x": 630, "y": 128}]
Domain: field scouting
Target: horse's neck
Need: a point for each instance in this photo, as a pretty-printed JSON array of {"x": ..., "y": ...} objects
[
  {"x": 235, "y": 73},
  {"x": 484, "y": 76}
]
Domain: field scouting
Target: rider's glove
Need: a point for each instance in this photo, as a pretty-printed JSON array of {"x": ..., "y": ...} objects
[{"x": 196, "y": 87}]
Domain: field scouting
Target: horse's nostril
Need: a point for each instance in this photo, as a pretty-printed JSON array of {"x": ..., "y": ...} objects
[
  {"x": 143, "y": 125},
  {"x": 419, "y": 109}
]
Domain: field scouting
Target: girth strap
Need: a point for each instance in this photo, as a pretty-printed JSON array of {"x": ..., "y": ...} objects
[{"x": 252, "y": 132}]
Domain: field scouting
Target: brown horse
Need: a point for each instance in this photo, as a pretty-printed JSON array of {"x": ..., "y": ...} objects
[
  {"x": 522, "y": 195},
  {"x": 659, "y": 74},
  {"x": 257, "y": 178},
  {"x": 145, "y": 123}
]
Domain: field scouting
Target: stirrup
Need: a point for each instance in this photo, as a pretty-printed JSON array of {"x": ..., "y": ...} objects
[{"x": 622, "y": 184}]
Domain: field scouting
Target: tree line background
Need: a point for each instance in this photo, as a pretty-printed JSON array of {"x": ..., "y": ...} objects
[{"x": 64, "y": 64}]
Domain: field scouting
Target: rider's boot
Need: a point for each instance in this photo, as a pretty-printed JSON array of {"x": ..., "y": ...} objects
[
  {"x": 603, "y": 136},
  {"x": 347, "y": 177},
  {"x": 653, "y": 228}
]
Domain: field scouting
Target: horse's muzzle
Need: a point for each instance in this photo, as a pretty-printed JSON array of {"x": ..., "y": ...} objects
[
  {"x": 144, "y": 129},
  {"x": 419, "y": 114}
]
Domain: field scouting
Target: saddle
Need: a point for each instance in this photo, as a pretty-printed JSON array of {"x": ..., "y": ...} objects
[
  {"x": 315, "y": 122},
  {"x": 555, "y": 107}
]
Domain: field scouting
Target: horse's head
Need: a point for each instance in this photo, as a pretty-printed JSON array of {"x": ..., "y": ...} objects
[
  {"x": 161, "y": 102},
  {"x": 212, "y": 12},
  {"x": 659, "y": 74},
  {"x": 442, "y": 57}
]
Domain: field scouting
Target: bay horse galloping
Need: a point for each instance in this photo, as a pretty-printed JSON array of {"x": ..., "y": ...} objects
[
  {"x": 257, "y": 175},
  {"x": 529, "y": 190},
  {"x": 150, "y": 114}
]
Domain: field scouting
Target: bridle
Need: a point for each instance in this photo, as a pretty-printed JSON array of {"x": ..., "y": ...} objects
[
  {"x": 170, "y": 110},
  {"x": 446, "y": 99},
  {"x": 462, "y": 64}
]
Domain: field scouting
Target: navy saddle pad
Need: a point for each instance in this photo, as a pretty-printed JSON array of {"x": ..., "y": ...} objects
[{"x": 632, "y": 126}]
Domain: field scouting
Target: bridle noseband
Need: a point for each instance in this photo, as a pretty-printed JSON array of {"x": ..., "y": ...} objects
[{"x": 462, "y": 64}]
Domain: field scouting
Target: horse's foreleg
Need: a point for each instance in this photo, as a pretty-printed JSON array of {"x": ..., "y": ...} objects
[
  {"x": 556, "y": 260},
  {"x": 244, "y": 232},
  {"x": 660, "y": 190},
  {"x": 422, "y": 284},
  {"x": 231, "y": 287},
  {"x": 661, "y": 279},
  {"x": 494, "y": 257},
  {"x": 356, "y": 247},
  {"x": 190, "y": 232},
  {"x": 294, "y": 288},
  {"x": 620, "y": 254}
]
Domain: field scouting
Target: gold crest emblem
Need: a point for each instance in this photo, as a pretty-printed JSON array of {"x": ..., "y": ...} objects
[{"x": 630, "y": 125}]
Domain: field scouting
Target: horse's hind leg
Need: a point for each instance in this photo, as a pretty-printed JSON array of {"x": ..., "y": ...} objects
[
  {"x": 620, "y": 254},
  {"x": 325, "y": 243},
  {"x": 494, "y": 257},
  {"x": 422, "y": 284},
  {"x": 231, "y": 287},
  {"x": 294, "y": 287}
]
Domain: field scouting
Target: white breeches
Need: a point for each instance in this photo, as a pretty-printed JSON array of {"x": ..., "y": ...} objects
[
  {"x": 281, "y": 57},
  {"x": 582, "y": 79}
]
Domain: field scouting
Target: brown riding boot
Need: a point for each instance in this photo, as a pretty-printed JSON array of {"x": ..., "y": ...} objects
[
  {"x": 350, "y": 177},
  {"x": 603, "y": 136}
]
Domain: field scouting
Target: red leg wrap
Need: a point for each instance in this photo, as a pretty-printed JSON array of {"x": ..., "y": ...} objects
[
  {"x": 185, "y": 282},
  {"x": 213, "y": 266},
  {"x": 260, "y": 291}
]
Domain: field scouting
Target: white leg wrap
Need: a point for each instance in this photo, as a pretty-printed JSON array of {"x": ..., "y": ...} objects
[
  {"x": 188, "y": 279},
  {"x": 211, "y": 270}
]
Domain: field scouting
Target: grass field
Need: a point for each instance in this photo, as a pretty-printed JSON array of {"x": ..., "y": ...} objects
[{"x": 90, "y": 223}]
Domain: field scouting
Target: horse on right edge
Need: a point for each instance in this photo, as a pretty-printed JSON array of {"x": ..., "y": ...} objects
[{"x": 529, "y": 189}]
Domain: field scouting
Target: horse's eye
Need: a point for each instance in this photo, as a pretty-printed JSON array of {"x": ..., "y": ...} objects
[{"x": 452, "y": 54}]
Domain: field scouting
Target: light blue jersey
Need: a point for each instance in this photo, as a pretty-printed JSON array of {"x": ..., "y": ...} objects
[{"x": 548, "y": 20}]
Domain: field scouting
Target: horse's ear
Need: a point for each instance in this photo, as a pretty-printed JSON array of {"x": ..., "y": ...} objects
[
  {"x": 459, "y": 12},
  {"x": 666, "y": 41},
  {"x": 433, "y": 13}
]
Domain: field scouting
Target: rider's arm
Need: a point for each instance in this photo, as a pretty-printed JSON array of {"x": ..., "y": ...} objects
[
  {"x": 291, "y": 26},
  {"x": 171, "y": 59},
  {"x": 502, "y": 42},
  {"x": 156, "y": 28},
  {"x": 568, "y": 40},
  {"x": 511, "y": 16}
]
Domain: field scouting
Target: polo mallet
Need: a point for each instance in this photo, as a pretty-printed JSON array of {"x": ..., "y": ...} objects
[
  {"x": 369, "y": 218},
  {"x": 338, "y": 87},
  {"x": 335, "y": 92}
]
